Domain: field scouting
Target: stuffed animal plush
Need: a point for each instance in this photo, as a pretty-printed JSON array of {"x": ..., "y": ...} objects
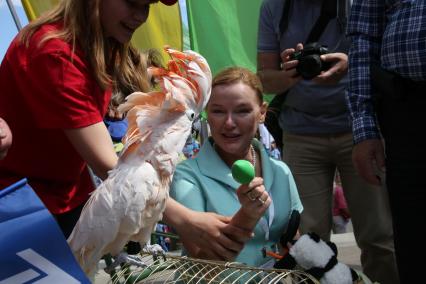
[{"x": 319, "y": 259}]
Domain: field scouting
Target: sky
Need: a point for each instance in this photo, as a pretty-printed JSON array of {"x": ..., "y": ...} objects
[{"x": 8, "y": 29}]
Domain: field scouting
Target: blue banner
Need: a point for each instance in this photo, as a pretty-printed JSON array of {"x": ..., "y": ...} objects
[{"x": 32, "y": 246}]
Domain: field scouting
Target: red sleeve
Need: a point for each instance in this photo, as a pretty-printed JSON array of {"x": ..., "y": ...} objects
[{"x": 62, "y": 92}]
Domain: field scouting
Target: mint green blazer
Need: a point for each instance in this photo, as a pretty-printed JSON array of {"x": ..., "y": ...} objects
[{"x": 206, "y": 184}]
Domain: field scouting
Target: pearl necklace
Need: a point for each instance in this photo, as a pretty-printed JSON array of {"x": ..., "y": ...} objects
[{"x": 253, "y": 154}]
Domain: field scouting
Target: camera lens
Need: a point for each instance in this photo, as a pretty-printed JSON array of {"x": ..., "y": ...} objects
[{"x": 309, "y": 66}]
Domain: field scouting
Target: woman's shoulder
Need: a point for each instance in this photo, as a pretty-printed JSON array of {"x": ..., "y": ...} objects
[
  {"x": 187, "y": 172},
  {"x": 279, "y": 165},
  {"x": 187, "y": 166},
  {"x": 47, "y": 50},
  {"x": 197, "y": 166},
  {"x": 45, "y": 42}
]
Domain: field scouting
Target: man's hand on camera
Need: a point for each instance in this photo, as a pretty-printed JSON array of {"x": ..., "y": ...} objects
[
  {"x": 289, "y": 72},
  {"x": 337, "y": 71}
]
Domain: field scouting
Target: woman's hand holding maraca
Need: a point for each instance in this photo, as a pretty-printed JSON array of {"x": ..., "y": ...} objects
[
  {"x": 252, "y": 195},
  {"x": 254, "y": 198}
]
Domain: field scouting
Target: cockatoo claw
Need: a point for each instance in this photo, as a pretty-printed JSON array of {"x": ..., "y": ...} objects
[
  {"x": 124, "y": 257},
  {"x": 155, "y": 250}
]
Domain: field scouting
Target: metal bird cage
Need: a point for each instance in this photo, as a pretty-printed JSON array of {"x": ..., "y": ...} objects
[{"x": 178, "y": 269}]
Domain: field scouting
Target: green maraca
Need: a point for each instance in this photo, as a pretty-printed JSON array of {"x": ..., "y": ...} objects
[{"x": 243, "y": 171}]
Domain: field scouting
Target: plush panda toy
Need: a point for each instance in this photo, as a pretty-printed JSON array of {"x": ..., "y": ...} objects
[{"x": 319, "y": 259}]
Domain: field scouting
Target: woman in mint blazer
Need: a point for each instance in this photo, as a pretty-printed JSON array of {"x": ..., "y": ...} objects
[{"x": 205, "y": 183}]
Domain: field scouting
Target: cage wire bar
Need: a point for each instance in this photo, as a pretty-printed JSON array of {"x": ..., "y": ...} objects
[{"x": 185, "y": 270}]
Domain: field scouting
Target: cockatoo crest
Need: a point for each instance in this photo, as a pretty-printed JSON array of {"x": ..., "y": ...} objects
[{"x": 129, "y": 203}]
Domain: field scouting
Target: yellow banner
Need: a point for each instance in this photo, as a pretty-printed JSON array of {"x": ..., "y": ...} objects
[{"x": 163, "y": 27}]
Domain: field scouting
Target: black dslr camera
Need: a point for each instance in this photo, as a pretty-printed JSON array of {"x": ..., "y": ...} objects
[{"x": 310, "y": 64}]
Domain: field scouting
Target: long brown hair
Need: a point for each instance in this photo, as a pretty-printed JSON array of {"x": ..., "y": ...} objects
[
  {"x": 140, "y": 61},
  {"x": 113, "y": 64}
]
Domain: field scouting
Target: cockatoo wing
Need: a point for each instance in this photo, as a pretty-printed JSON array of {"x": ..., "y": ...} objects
[{"x": 114, "y": 213}]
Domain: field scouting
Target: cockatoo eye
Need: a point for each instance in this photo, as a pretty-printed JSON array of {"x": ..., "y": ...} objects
[{"x": 190, "y": 114}]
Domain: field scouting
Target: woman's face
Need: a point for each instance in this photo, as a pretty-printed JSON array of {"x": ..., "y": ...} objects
[
  {"x": 120, "y": 18},
  {"x": 234, "y": 112}
]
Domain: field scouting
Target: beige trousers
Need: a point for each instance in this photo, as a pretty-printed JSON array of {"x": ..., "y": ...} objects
[{"x": 313, "y": 160}]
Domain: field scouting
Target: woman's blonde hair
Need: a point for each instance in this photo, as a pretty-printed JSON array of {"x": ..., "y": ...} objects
[
  {"x": 233, "y": 75},
  {"x": 113, "y": 64}
]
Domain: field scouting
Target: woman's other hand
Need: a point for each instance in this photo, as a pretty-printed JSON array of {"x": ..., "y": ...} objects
[
  {"x": 206, "y": 235},
  {"x": 211, "y": 236}
]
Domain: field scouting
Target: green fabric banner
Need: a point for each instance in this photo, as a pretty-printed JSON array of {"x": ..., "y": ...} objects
[{"x": 224, "y": 31}]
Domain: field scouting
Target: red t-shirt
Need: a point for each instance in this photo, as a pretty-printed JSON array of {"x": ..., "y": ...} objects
[{"x": 42, "y": 92}]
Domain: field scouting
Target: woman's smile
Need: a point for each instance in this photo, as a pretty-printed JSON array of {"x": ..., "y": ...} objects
[{"x": 127, "y": 29}]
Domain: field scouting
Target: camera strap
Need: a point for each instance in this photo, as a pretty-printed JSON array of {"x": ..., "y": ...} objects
[
  {"x": 330, "y": 9},
  {"x": 285, "y": 17},
  {"x": 328, "y": 12}
]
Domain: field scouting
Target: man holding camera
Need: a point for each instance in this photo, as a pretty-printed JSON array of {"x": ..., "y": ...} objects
[{"x": 317, "y": 135}]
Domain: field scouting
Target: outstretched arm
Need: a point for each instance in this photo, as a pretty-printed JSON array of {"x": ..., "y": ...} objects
[{"x": 94, "y": 145}]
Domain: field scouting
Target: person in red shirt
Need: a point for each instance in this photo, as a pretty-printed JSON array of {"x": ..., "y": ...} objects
[{"x": 56, "y": 81}]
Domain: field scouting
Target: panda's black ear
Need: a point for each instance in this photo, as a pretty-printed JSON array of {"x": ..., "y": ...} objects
[
  {"x": 314, "y": 237},
  {"x": 333, "y": 247},
  {"x": 292, "y": 226},
  {"x": 287, "y": 262}
]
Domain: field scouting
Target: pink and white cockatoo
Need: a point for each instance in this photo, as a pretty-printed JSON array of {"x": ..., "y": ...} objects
[{"x": 129, "y": 203}]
